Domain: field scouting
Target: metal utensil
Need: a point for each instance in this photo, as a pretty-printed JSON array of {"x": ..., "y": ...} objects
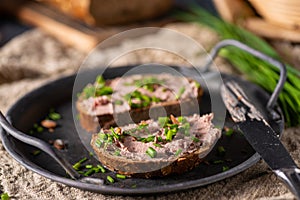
[
  {"x": 260, "y": 135},
  {"x": 47, "y": 149}
]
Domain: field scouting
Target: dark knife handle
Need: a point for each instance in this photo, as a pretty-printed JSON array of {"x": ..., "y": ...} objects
[{"x": 291, "y": 177}]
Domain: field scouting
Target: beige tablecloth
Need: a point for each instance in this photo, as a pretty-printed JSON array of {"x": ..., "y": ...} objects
[{"x": 34, "y": 58}]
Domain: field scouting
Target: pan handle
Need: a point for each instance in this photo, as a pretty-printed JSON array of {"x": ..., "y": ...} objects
[
  {"x": 283, "y": 74},
  {"x": 39, "y": 144},
  {"x": 47, "y": 149}
]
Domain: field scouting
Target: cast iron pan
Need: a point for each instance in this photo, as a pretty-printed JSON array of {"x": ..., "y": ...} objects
[{"x": 54, "y": 164}]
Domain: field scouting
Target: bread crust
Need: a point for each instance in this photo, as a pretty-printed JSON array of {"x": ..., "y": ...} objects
[
  {"x": 146, "y": 167},
  {"x": 178, "y": 166}
]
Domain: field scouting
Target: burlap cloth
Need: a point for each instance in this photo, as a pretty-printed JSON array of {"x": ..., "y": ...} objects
[{"x": 34, "y": 58}]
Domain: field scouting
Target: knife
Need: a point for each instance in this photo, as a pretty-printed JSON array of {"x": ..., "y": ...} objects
[{"x": 260, "y": 135}]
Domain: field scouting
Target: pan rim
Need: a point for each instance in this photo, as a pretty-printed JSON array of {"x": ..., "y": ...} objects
[{"x": 107, "y": 189}]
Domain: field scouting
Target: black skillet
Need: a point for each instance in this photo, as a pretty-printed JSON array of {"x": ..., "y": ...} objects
[{"x": 57, "y": 165}]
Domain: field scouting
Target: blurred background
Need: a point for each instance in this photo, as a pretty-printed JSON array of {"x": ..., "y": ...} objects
[
  {"x": 87, "y": 16},
  {"x": 77, "y": 22}
]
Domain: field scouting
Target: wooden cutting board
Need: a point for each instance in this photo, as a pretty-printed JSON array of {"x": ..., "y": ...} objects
[{"x": 71, "y": 31}]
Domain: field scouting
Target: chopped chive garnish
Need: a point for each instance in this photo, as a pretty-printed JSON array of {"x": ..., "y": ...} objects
[
  {"x": 229, "y": 132},
  {"x": 151, "y": 152},
  {"x": 54, "y": 116},
  {"x": 101, "y": 168},
  {"x": 89, "y": 166},
  {"x": 39, "y": 129},
  {"x": 155, "y": 99},
  {"x": 115, "y": 135},
  {"x": 80, "y": 172},
  {"x": 142, "y": 126},
  {"x": 174, "y": 130},
  {"x": 169, "y": 135},
  {"x": 150, "y": 138},
  {"x": 180, "y": 92},
  {"x": 36, "y": 152},
  {"x": 225, "y": 168},
  {"x": 77, "y": 165},
  {"x": 105, "y": 90},
  {"x": 144, "y": 104},
  {"x": 91, "y": 153},
  {"x": 159, "y": 138},
  {"x": 96, "y": 169},
  {"x": 196, "y": 139},
  {"x": 89, "y": 91},
  {"x": 110, "y": 179},
  {"x": 100, "y": 81},
  {"x": 221, "y": 150},
  {"x": 181, "y": 119},
  {"x": 218, "y": 161},
  {"x": 157, "y": 145},
  {"x": 98, "y": 143},
  {"x": 98, "y": 89},
  {"x": 5, "y": 196},
  {"x": 102, "y": 136},
  {"x": 172, "y": 126},
  {"x": 120, "y": 176},
  {"x": 197, "y": 84},
  {"x": 143, "y": 100},
  {"x": 178, "y": 152},
  {"x": 89, "y": 172},
  {"x": 133, "y": 186},
  {"x": 149, "y": 87},
  {"x": 142, "y": 139},
  {"x": 110, "y": 139}
]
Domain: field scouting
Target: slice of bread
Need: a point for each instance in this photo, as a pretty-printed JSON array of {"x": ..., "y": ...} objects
[
  {"x": 130, "y": 99},
  {"x": 156, "y": 148}
]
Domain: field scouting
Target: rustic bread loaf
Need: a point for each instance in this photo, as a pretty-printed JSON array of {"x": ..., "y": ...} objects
[
  {"x": 130, "y": 99},
  {"x": 103, "y": 12},
  {"x": 156, "y": 148}
]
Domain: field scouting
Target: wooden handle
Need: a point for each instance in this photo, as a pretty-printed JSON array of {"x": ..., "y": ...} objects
[{"x": 66, "y": 30}]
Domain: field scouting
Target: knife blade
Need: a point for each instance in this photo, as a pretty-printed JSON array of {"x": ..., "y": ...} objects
[{"x": 260, "y": 135}]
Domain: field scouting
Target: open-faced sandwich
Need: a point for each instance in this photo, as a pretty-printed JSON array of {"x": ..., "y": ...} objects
[
  {"x": 156, "y": 147},
  {"x": 106, "y": 103}
]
